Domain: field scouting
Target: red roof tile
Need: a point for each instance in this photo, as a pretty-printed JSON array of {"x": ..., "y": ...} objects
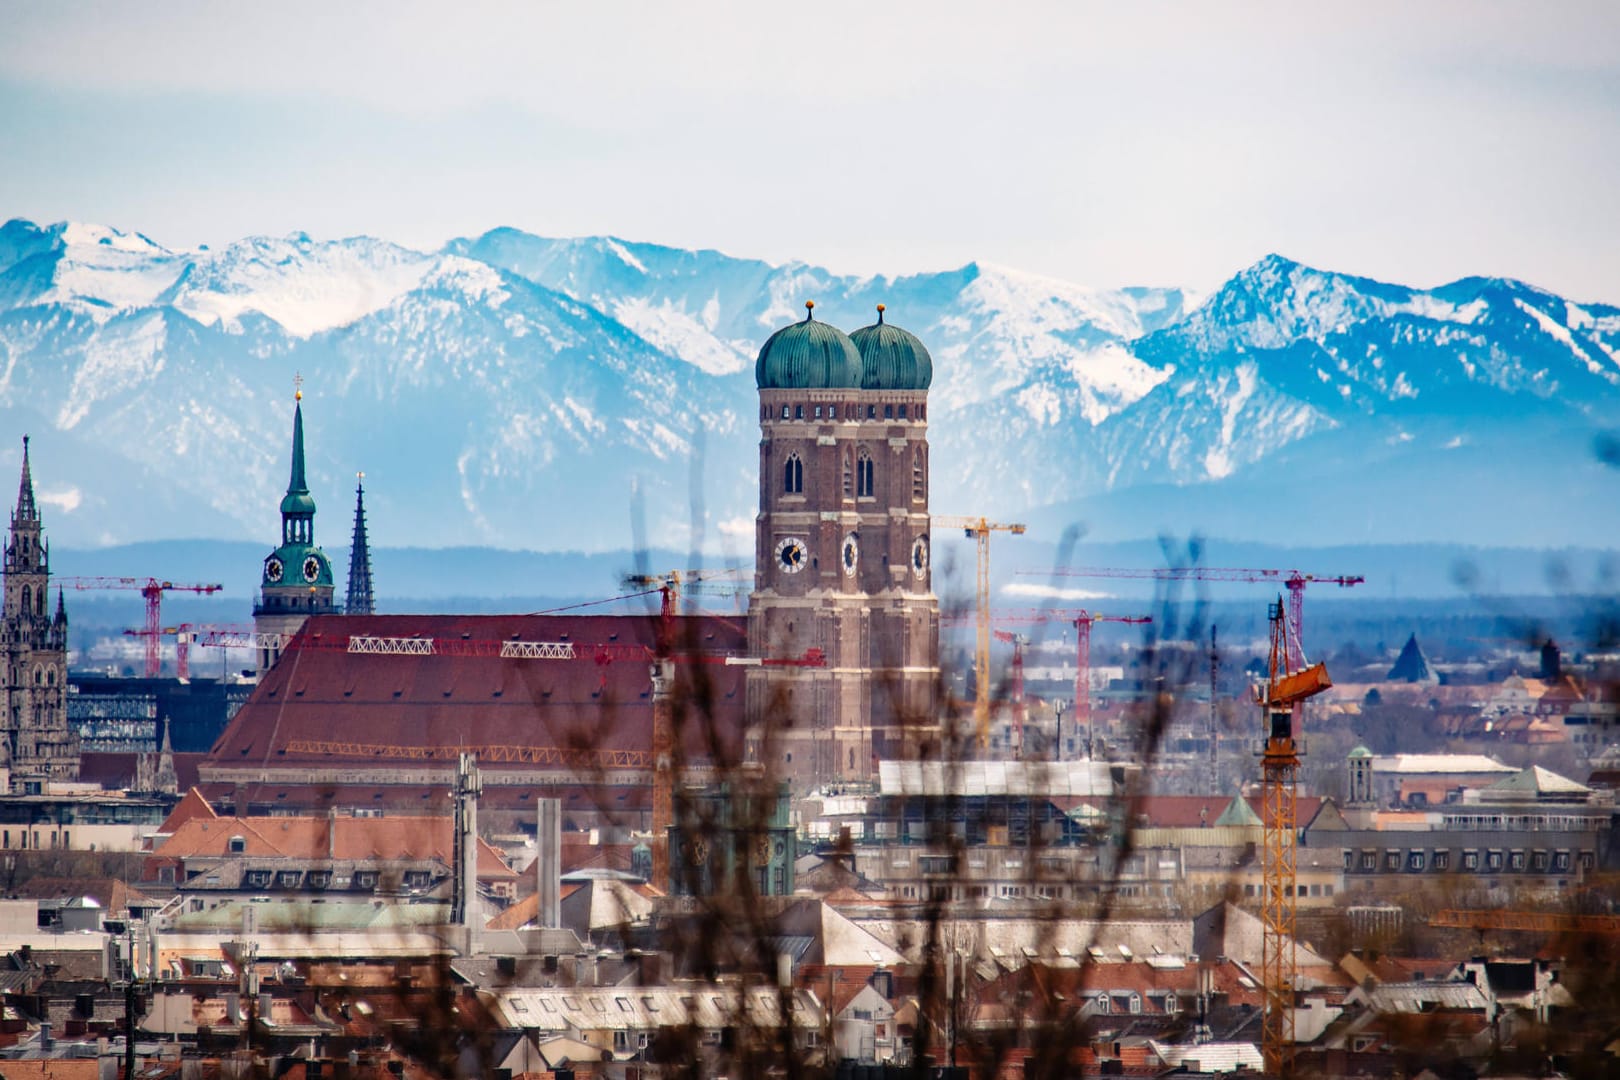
[{"x": 326, "y": 706}]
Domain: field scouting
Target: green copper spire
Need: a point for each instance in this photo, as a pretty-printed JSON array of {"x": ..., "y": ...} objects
[{"x": 297, "y": 500}]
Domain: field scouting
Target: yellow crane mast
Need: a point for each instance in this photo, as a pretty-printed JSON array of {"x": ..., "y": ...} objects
[
  {"x": 979, "y": 529},
  {"x": 1279, "y": 700}
]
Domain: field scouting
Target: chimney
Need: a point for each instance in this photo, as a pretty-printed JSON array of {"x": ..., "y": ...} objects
[
  {"x": 46, "y": 1042},
  {"x": 548, "y": 862}
]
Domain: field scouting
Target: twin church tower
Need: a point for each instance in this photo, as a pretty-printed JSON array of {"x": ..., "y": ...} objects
[{"x": 842, "y": 563}]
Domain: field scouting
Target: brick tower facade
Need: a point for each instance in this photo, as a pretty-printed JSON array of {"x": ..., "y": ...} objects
[{"x": 842, "y": 553}]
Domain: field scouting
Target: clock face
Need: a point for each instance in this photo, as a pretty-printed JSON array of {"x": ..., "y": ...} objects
[
  {"x": 852, "y": 553},
  {"x": 790, "y": 554},
  {"x": 312, "y": 568},
  {"x": 273, "y": 569},
  {"x": 919, "y": 556}
]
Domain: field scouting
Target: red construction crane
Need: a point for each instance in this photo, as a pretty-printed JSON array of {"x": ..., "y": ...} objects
[
  {"x": 1293, "y": 580},
  {"x": 151, "y": 590},
  {"x": 1082, "y": 621}
]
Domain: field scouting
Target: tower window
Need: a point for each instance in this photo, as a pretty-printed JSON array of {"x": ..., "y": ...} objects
[
  {"x": 793, "y": 475},
  {"x": 865, "y": 476},
  {"x": 784, "y": 412},
  {"x": 849, "y": 475},
  {"x": 902, "y": 412},
  {"x": 888, "y": 412},
  {"x": 871, "y": 412},
  {"x": 798, "y": 412},
  {"x": 818, "y": 412},
  {"x": 919, "y": 486}
]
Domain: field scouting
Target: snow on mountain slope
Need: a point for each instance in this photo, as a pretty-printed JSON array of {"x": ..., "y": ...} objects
[
  {"x": 526, "y": 392},
  {"x": 304, "y": 285},
  {"x": 93, "y": 268}
]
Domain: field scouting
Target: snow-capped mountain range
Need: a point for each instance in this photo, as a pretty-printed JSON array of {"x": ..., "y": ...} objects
[{"x": 522, "y": 392}]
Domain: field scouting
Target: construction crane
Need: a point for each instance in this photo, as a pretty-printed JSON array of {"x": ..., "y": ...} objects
[
  {"x": 1286, "y": 687},
  {"x": 1082, "y": 621},
  {"x": 979, "y": 529},
  {"x": 151, "y": 590},
  {"x": 1292, "y": 580},
  {"x": 671, "y": 583}
]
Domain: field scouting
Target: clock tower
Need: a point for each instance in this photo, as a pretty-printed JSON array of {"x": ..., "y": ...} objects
[
  {"x": 297, "y": 581},
  {"x": 842, "y": 552}
]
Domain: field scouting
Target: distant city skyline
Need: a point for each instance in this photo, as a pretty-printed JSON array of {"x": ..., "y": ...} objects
[{"x": 1163, "y": 146}]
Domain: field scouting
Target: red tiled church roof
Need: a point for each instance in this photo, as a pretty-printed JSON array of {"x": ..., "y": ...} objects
[{"x": 325, "y": 706}]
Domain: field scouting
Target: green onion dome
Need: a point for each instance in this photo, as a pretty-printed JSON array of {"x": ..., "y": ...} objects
[
  {"x": 892, "y": 358},
  {"x": 808, "y": 355}
]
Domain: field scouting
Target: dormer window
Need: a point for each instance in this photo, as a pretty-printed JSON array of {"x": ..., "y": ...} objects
[{"x": 236, "y": 845}]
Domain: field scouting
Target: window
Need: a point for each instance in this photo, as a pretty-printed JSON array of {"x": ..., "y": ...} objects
[
  {"x": 793, "y": 475},
  {"x": 1392, "y": 860},
  {"x": 1136, "y": 1003},
  {"x": 902, "y": 412},
  {"x": 1470, "y": 860},
  {"x": 1414, "y": 860},
  {"x": 818, "y": 412},
  {"x": 1516, "y": 860},
  {"x": 1442, "y": 860},
  {"x": 1493, "y": 860},
  {"x": 1560, "y": 860},
  {"x": 919, "y": 489},
  {"x": 798, "y": 412},
  {"x": 888, "y": 412},
  {"x": 1369, "y": 861},
  {"x": 849, "y": 475},
  {"x": 865, "y": 476},
  {"x": 365, "y": 879},
  {"x": 237, "y": 845}
]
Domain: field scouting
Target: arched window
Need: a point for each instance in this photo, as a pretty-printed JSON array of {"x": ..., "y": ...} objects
[
  {"x": 865, "y": 476},
  {"x": 849, "y": 475},
  {"x": 793, "y": 475},
  {"x": 27, "y": 599},
  {"x": 919, "y": 483}
]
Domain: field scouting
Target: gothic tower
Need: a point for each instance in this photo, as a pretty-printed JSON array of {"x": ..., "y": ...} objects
[
  {"x": 297, "y": 581},
  {"x": 360, "y": 600},
  {"x": 37, "y": 744},
  {"x": 842, "y": 551}
]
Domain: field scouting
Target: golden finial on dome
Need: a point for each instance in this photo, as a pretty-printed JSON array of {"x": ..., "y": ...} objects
[
  {"x": 298, "y": 386},
  {"x": 880, "y": 313},
  {"x": 809, "y": 310}
]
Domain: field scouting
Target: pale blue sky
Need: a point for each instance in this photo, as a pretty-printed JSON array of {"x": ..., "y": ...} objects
[{"x": 1111, "y": 145}]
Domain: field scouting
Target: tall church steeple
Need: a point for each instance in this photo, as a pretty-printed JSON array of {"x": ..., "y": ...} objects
[
  {"x": 360, "y": 600},
  {"x": 26, "y": 509},
  {"x": 34, "y": 734},
  {"x": 297, "y": 580}
]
